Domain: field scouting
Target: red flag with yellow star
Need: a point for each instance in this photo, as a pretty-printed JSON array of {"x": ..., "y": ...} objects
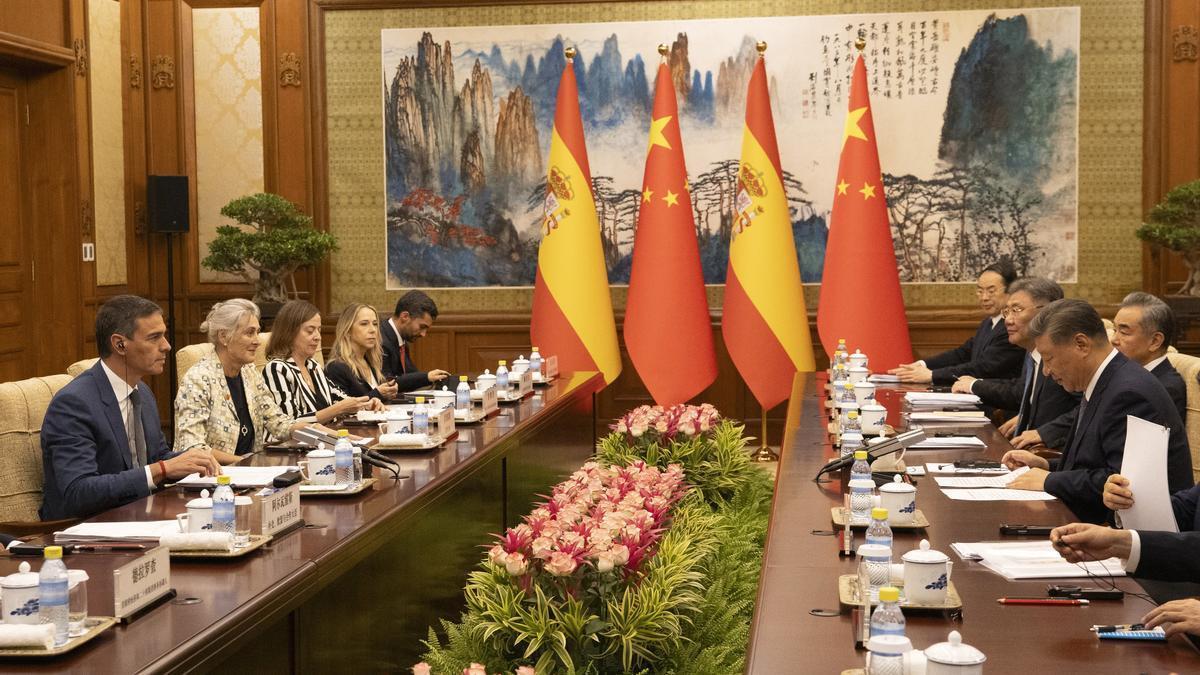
[
  {"x": 860, "y": 290},
  {"x": 667, "y": 327},
  {"x": 765, "y": 323}
]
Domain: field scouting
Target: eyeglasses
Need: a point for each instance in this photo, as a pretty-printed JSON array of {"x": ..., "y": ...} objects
[{"x": 1017, "y": 311}]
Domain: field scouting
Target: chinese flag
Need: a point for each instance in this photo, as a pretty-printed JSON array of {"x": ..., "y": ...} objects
[
  {"x": 667, "y": 326},
  {"x": 572, "y": 310},
  {"x": 860, "y": 292},
  {"x": 765, "y": 323}
]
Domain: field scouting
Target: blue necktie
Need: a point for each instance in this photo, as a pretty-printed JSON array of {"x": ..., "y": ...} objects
[{"x": 1029, "y": 372}]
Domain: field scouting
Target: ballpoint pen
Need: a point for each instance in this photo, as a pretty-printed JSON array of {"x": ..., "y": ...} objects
[
  {"x": 105, "y": 548},
  {"x": 1113, "y": 629},
  {"x": 1042, "y": 601}
]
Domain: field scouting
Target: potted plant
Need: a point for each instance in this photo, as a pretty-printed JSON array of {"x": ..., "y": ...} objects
[
  {"x": 1174, "y": 224},
  {"x": 275, "y": 239}
]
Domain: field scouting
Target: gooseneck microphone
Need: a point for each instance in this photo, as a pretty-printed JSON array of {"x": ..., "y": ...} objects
[{"x": 874, "y": 452}]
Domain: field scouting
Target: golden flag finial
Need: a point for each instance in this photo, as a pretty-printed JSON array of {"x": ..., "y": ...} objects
[
  {"x": 663, "y": 50},
  {"x": 861, "y": 43},
  {"x": 570, "y": 53},
  {"x": 761, "y": 46}
]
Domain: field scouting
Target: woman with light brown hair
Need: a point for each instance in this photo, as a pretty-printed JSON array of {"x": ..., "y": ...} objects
[
  {"x": 293, "y": 375},
  {"x": 356, "y": 357}
]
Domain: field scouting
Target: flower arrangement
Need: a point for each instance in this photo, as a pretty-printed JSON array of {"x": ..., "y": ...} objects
[{"x": 654, "y": 423}]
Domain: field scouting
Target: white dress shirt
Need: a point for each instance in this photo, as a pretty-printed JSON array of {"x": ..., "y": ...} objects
[
  {"x": 1135, "y": 552},
  {"x": 1154, "y": 364},
  {"x": 1087, "y": 393},
  {"x": 124, "y": 392}
]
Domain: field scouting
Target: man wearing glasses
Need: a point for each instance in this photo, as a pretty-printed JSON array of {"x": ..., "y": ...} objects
[{"x": 988, "y": 353}]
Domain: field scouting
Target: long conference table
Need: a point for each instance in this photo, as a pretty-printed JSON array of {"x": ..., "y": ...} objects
[
  {"x": 357, "y": 588},
  {"x": 801, "y": 569}
]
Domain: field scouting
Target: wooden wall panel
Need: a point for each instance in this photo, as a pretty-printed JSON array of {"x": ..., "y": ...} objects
[{"x": 41, "y": 20}]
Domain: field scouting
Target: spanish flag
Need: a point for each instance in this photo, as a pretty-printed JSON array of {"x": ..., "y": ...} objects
[
  {"x": 668, "y": 330},
  {"x": 765, "y": 323},
  {"x": 860, "y": 288},
  {"x": 572, "y": 310}
]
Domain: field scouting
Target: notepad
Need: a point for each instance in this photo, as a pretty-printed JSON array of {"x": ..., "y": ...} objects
[
  {"x": 993, "y": 494},
  {"x": 239, "y": 476},
  {"x": 928, "y": 398},
  {"x": 884, "y": 378},
  {"x": 940, "y": 442},
  {"x": 979, "y": 481},
  {"x": 968, "y": 417},
  {"x": 1156, "y": 634}
]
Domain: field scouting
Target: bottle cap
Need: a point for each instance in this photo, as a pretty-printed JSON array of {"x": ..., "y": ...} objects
[
  {"x": 889, "y": 594},
  {"x": 223, "y": 479},
  {"x": 462, "y": 378},
  {"x": 849, "y": 386},
  {"x": 879, "y": 513},
  {"x": 534, "y": 348},
  {"x": 860, "y": 454},
  {"x": 343, "y": 432},
  {"x": 853, "y": 414},
  {"x": 503, "y": 362},
  {"x": 420, "y": 400},
  {"x": 52, "y": 552}
]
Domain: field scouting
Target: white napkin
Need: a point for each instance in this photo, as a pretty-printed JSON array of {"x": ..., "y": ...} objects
[
  {"x": 15, "y": 635},
  {"x": 198, "y": 541},
  {"x": 404, "y": 440}
]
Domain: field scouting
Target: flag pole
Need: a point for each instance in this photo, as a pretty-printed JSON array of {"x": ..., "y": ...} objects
[{"x": 764, "y": 452}]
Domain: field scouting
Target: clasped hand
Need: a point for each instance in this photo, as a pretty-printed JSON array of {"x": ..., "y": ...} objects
[{"x": 913, "y": 372}]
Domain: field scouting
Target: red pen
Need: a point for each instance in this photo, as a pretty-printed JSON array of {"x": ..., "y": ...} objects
[{"x": 1043, "y": 601}]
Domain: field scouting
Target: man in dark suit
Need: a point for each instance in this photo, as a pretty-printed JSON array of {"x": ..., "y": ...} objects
[
  {"x": 415, "y": 313},
  {"x": 1076, "y": 352},
  {"x": 102, "y": 445},
  {"x": 988, "y": 353},
  {"x": 1036, "y": 398}
]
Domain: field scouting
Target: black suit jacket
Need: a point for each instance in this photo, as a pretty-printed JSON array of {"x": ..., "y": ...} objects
[
  {"x": 1050, "y": 401},
  {"x": 85, "y": 450},
  {"x": 342, "y": 376},
  {"x": 987, "y": 354},
  {"x": 1171, "y": 556},
  {"x": 1095, "y": 449},
  {"x": 408, "y": 377}
]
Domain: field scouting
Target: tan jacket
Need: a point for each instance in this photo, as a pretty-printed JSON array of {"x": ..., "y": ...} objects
[{"x": 205, "y": 415}]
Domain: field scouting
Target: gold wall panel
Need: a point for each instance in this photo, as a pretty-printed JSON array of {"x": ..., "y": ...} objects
[
  {"x": 1110, "y": 135},
  {"x": 227, "y": 63},
  {"x": 108, "y": 140}
]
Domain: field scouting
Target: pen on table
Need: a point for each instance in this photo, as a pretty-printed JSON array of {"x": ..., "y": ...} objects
[
  {"x": 1113, "y": 629},
  {"x": 1042, "y": 601},
  {"x": 107, "y": 547}
]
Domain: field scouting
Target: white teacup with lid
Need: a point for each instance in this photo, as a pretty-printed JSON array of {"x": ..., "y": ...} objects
[
  {"x": 953, "y": 657},
  {"x": 485, "y": 381},
  {"x": 199, "y": 514},
  {"x": 858, "y": 359},
  {"x": 926, "y": 575},
  {"x": 888, "y": 654},
  {"x": 900, "y": 499},
  {"x": 864, "y": 392},
  {"x": 858, "y": 374},
  {"x": 871, "y": 417},
  {"x": 318, "y": 468},
  {"x": 19, "y": 599},
  {"x": 520, "y": 365}
]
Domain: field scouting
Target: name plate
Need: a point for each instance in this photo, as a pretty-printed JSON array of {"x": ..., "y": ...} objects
[
  {"x": 550, "y": 368},
  {"x": 525, "y": 384},
  {"x": 490, "y": 400},
  {"x": 141, "y": 581},
  {"x": 280, "y": 509},
  {"x": 445, "y": 422}
]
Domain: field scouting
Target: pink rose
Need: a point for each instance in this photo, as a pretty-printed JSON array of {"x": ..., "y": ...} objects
[
  {"x": 620, "y": 554},
  {"x": 561, "y": 564},
  {"x": 516, "y": 564},
  {"x": 605, "y": 562},
  {"x": 497, "y": 555},
  {"x": 525, "y": 670},
  {"x": 541, "y": 547},
  {"x": 421, "y": 668}
]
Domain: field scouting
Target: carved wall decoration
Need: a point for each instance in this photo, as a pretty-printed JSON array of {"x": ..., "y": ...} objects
[
  {"x": 81, "y": 57},
  {"x": 86, "y": 221},
  {"x": 162, "y": 72},
  {"x": 1187, "y": 43},
  {"x": 139, "y": 218},
  {"x": 135, "y": 72},
  {"x": 289, "y": 70}
]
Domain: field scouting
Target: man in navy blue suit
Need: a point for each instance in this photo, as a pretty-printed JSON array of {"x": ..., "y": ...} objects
[
  {"x": 988, "y": 353},
  {"x": 1075, "y": 350},
  {"x": 101, "y": 441},
  {"x": 414, "y": 315}
]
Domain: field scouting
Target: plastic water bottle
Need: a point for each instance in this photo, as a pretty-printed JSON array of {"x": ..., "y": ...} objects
[
  {"x": 841, "y": 355},
  {"x": 860, "y": 468},
  {"x": 462, "y": 394},
  {"x": 224, "y": 518},
  {"x": 535, "y": 361},
  {"x": 879, "y": 532},
  {"x": 502, "y": 376},
  {"x": 887, "y": 619},
  {"x": 343, "y": 458},
  {"x": 420, "y": 417},
  {"x": 52, "y": 592}
]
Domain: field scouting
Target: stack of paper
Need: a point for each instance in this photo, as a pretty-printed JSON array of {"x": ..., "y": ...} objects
[
  {"x": 948, "y": 467},
  {"x": 935, "y": 399},
  {"x": 939, "y": 442},
  {"x": 1015, "y": 560},
  {"x": 884, "y": 378},
  {"x": 116, "y": 531},
  {"x": 991, "y": 494},
  {"x": 239, "y": 476},
  {"x": 966, "y": 417},
  {"x": 980, "y": 481}
]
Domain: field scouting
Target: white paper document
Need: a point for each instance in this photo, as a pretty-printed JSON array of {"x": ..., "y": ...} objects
[
  {"x": 980, "y": 481},
  {"x": 1015, "y": 560},
  {"x": 240, "y": 476},
  {"x": 884, "y": 378},
  {"x": 939, "y": 442},
  {"x": 998, "y": 495},
  {"x": 1145, "y": 465},
  {"x": 117, "y": 531},
  {"x": 940, "y": 398},
  {"x": 966, "y": 417},
  {"x": 948, "y": 467}
]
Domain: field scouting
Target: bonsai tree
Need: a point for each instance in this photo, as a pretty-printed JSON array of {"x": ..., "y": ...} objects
[
  {"x": 1174, "y": 224},
  {"x": 281, "y": 239}
]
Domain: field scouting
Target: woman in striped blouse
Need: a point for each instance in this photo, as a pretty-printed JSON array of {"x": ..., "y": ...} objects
[{"x": 295, "y": 378}]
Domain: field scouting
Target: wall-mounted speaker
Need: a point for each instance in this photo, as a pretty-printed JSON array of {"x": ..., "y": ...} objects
[{"x": 167, "y": 204}]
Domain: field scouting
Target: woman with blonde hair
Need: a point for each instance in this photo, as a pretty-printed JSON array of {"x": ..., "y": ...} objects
[
  {"x": 356, "y": 358},
  {"x": 223, "y": 403},
  {"x": 294, "y": 377}
]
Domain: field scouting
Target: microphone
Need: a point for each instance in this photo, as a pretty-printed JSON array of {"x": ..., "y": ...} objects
[
  {"x": 379, "y": 461},
  {"x": 874, "y": 452}
]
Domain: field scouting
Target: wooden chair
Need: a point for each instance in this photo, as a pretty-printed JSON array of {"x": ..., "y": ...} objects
[
  {"x": 22, "y": 408},
  {"x": 1189, "y": 370}
]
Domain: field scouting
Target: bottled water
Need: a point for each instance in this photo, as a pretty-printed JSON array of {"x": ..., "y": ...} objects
[
  {"x": 535, "y": 361},
  {"x": 841, "y": 355},
  {"x": 462, "y": 394},
  {"x": 224, "y": 517},
  {"x": 860, "y": 469},
  {"x": 420, "y": 417},
  {"x": 502, "y": 377},
  {"x": 840, "y": 375},
  {"x": 879, "y": 532},
  {"x": 343, "y": 458},
  {"x": 52, "y": 593},
  {"x": 887, "y": 619},
  {"x": 852, "y": 423}
]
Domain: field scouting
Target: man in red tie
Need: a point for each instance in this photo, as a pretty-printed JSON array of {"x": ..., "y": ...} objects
[{"x": 415, "y": 313}]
